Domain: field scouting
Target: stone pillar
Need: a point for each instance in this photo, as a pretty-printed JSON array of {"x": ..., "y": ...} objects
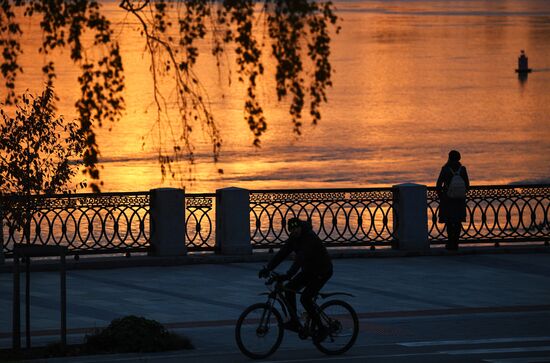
[
  {"x": 167, "y": 224},
  {"x": 1, "y": 236},
  {"x": 411, "y": 217},
  {"x": 233, "y": 221}
]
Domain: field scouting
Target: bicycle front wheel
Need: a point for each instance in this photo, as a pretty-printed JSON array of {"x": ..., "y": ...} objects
[
  {"x": 259, "y": 331},
  {"x": 343, "y": 325}
]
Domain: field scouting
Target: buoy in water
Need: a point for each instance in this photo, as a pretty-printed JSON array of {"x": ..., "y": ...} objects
[{"x": 523, "y": 63}]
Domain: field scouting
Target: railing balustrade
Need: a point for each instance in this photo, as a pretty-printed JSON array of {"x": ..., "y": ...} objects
[
  {"x": 341, "y": 217},
  {"x": 120, "y": 222},
  {"x": 84, "y": 223},
  {"x": 494, "y": 214}
]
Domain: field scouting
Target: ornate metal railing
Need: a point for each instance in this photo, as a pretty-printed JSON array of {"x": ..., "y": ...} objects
[
  {"x": 341, "y": 217},
  {"x": 515, "y": 213},
  {"x": 85, "y": 223},
  {"x": 120, "y": 222},
  {"x": 200, "y": 221}
]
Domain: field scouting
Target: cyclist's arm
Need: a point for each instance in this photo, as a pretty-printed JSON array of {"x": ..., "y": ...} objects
[
  {"x": 293, "y": 269},
  {"x": 280, "y": 256}
]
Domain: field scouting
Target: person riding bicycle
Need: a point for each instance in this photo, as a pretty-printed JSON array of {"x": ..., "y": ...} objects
[{"x": 315, "y": 265}]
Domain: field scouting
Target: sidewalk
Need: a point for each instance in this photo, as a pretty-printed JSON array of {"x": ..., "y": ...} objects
[{"x": 196, "y": 299}]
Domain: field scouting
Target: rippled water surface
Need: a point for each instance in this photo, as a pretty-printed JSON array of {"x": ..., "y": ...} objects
[{"x": 413, "y": 80}]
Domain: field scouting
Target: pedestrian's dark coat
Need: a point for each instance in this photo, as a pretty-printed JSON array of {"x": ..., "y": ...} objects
[{"x": 451, "y": 210}]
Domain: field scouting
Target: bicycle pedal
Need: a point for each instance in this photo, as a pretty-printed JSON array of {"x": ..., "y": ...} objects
[{"x": 303, "y": 334}]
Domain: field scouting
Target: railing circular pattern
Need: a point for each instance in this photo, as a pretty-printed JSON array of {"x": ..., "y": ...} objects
[
  {"x": 351, "y": 217},
  {"x": 85, "y": 223},
  {"x": 118, "y": 222},
  {"x": 199, "y": 221},
  {"x": 498, "y": 213}
]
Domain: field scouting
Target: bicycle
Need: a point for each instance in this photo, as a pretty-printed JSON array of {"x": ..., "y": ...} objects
[{"x": 259, "y": 330}]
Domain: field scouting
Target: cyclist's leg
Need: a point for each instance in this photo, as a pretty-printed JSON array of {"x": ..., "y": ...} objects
[
  {"x": 295, "y": 284},
  {"x": 313, "y": 286}
]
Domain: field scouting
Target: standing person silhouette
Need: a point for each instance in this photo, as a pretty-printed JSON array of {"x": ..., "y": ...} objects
[{"x": 451, "y": 188}]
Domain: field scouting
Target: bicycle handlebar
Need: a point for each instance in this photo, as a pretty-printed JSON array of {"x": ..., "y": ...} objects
[{"x": 274, "y": 277}]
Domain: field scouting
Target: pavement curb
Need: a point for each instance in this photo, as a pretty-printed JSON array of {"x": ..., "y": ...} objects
[{"x": 115, "y": 262}]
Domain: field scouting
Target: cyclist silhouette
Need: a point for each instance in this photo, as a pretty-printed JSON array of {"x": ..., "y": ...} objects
[{"x": 311, "y": 269}]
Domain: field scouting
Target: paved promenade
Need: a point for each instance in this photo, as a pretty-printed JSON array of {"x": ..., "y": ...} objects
[{"x": 203, "y": 301}]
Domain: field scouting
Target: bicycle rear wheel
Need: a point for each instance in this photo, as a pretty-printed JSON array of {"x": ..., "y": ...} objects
[
  {"x": 259, "y": 331},
  {"x": 343, "y": 325}
]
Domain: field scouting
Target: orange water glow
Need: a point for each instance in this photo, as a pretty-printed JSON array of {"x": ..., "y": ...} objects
[{"x": 412, "y": 80}]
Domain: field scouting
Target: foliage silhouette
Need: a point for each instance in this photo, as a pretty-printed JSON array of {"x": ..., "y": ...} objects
[
  {"x": 38, "y": 155},
  {"x": 37, "y": 149},
  {"x": 123, "y": 335},
  {"x": 134, "y": 334},
  {"x": 298, "y": 36}
]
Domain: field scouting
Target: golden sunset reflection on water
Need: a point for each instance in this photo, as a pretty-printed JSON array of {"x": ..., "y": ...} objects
[{"x": 412, "y": 81}]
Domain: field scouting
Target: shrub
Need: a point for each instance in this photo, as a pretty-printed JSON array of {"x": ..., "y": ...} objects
[{"x": 135, "y": 334}]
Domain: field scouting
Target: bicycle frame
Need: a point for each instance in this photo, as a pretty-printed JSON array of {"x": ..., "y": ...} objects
[
  {"x": 260, "y": 328},
  {"x": 276, "y": 294}
]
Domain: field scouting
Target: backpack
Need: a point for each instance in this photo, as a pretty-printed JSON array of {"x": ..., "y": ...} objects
[{"x": 457, "y": 186}]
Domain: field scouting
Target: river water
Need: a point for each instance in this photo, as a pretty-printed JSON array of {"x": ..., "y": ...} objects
[{"x": 413, "y": 79}]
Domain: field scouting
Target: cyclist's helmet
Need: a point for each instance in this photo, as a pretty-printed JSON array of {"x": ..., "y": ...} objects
[{"x": 293, "y": 223}]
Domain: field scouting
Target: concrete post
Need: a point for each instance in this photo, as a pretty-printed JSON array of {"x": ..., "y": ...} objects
[
  {"x": 411, "y": 217},
  {"x": 167, "y": 225},
  {"x": 1, "y": 236},
  {"x": 233, "y": 221}
]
